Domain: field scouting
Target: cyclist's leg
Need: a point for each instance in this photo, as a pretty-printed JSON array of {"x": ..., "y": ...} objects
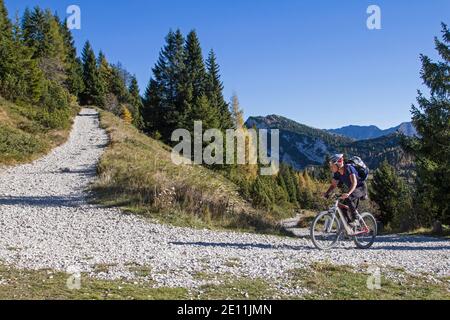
[
  {"x": 347, "y": 213},
  {"x": 354, "y": 199},
  {"x": 351, "y": 203}
]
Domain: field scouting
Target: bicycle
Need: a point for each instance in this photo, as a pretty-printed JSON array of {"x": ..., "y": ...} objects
[{"x": 329, "y": 226}]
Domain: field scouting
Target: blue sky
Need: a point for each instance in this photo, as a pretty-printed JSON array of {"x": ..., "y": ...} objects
[{"x": 313, "y": 61}]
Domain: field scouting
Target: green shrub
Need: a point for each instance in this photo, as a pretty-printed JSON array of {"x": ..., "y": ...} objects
[
  {"x": 55, "y": 111},
  {"x": 17, "y": 145}
]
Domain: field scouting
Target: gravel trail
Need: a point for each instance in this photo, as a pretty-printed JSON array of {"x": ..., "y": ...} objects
[{"x": 45, "y": 222}]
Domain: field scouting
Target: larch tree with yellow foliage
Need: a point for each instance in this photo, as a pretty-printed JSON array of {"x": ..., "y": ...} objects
[
  {"x": 126, "y": 115},
  {"x": 250, "y": 169}
]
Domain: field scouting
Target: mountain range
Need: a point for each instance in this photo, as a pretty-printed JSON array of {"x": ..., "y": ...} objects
[
  {"x": 302, "y": 146},
  {"x": 372, "y": 132}
]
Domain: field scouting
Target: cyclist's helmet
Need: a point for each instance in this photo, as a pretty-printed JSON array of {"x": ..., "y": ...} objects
[{"x": 337, "y": 158}]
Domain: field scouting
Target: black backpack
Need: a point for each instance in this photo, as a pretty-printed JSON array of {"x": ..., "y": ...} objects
[{"x": 360, "y": 166}]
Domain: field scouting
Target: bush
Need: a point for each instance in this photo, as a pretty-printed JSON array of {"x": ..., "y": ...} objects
[
  {"x": 55, "y": 107},
  {"x": 17, "y": 145},
  {"x": 12, "y": 88}
]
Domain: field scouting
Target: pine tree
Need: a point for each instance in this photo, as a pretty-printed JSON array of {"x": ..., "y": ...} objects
[
  {"x": 42, "y": 33},
  {"x": 5, "y": 23},
  {"x": 151, "y": 107},
  {"x": 305, "y": 190},
  {"x": 74, "y": 66},
  {"x": 123, "y": 73},
  {"x": 34, "y": 28},
  {"x": 105, "y": 73},
  {"x": 289, "y": 182},
  {"x": 214, "y": 91},
  {"x": 6, "y": 50},
  {"x": 390, "y": 193},
  {"x": 117, "y": 85},
  {"x": 136, "y": 102},
  {"x": 262, "y": 193},
  {"x": 20, "y": 76},
  {"x": 93, "y": 92},
  {"x": 195, "y": 72},
  {"x": 54, "y": 38},
  {"x": 432, "y": 148},
  {"x": 194, "y": 85},
  {"x": 171, "y": 96},
  {"x": 201, "y": 111},
  {"x": 28, "y": 75}
]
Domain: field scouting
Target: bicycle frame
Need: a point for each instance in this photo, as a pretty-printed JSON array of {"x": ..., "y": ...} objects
[{"x": 347, "y": 228}]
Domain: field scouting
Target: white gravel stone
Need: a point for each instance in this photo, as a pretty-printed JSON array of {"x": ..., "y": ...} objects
[{"x": 45, "y": 222}]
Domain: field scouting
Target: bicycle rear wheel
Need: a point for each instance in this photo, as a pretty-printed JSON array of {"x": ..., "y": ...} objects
[
  {"x": 325, "y": 231},
  {"x": 366, "y": 239}
]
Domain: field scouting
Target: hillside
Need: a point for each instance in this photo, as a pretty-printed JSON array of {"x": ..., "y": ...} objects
[
  {"x": 137, "y": 174},
  {"x": 23, "y": 135},
  {"x": 302, "y": 146},
  {"x": 375, "y": 151}
]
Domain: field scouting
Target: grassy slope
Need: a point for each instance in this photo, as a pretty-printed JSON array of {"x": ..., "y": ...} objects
[
  {"x": 21, "y": 138},
  {"x": 137, "y": 174},
  {"x": 322, "y": 281}
]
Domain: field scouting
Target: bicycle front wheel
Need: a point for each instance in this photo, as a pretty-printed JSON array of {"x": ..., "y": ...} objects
[
  {"x": 325, "y": 231},
  {"x": 368, "y": 226}
]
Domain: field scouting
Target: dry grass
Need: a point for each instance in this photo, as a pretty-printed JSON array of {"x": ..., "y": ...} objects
[{"x": 137, "y": 173}]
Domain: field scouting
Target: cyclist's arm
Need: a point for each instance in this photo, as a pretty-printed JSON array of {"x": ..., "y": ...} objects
[
  {"x": 354, "y": 181},
  {"x": 333, "y": 186}
]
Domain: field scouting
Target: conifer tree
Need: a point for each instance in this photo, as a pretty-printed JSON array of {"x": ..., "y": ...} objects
[
  {"x": 74, "y": 66},
  {"x": 126, "y": 116},
  {"x": 290, "y": 182},
  {"x": 194, "y": 87},
  {"x": 42, "y": 33},
  {"x": 117, "y": 85},
  {"x": 171, "y": 96},
  {"x": 54, "y": 38},
  {"x": 105, "y": 73},
  {"x": 34, "y": 28},
  {"x": 5, "y": 23},
  {"x": 20, "y": 76},
  {"x": 202, "y": 111},
  {"x": 432, "y": 148},
  {"x": 237, "y": 113},
  {"x": 93, "y": 92},
  {"x": 27, "y": 73},
  {"x": 151, "y": 107},
  {"x": 214, "y": 91},
  {"x": 6, "y": 49},
  {"x": 195, "y": 71},
  {"x": 248, "y": 170},
  {"x": 136, "y": 102},
  {"x": 390, "y": 193}
]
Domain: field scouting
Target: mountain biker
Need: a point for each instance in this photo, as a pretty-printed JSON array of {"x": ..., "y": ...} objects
[{"x": 346, "y": 174}]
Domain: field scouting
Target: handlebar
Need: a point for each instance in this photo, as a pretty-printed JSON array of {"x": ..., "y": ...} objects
[{"x": 335, "y": 196}]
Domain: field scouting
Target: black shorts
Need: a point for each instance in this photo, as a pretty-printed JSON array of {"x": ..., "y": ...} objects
[{"x": 360, "y": 193}]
